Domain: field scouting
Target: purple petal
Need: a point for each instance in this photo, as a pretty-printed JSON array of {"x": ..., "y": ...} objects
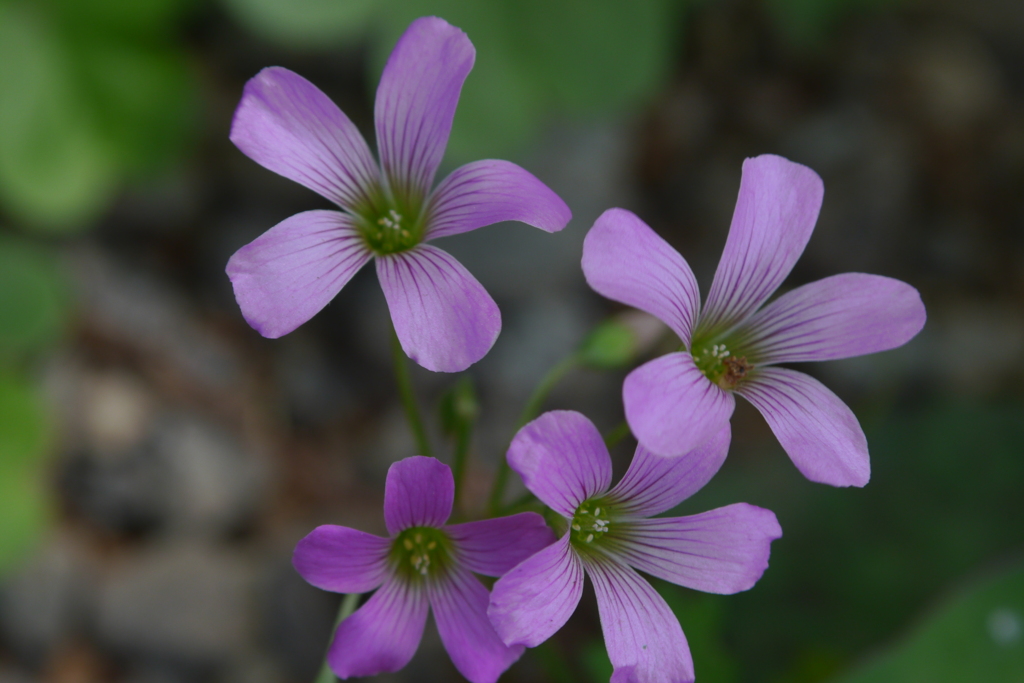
[
  {"x": 287, "y": 125},
  {"x": 775, "y": 214},
  {"x": 672, "y": 407},
  {"x": 419, "y": 491},
  {"x": 444, "y": 318},
  {"x": 538, "y": 596},
  {"x": 817, "y": 430},
  {"x": 643, "y": 636},
  {"x": 490, "y": 191},
  {"x": 416, "y": 101},
  {"x": 460, "y": 610},
  {"x": 626, "y": 261},
  {"x": 653, "y": 483},
  {"x": 562, "y": 460},
  {"x": 720, "y": 551},
  {"x": 493, "y": 546},
  {"x": 286, "y": 275},
  {"x": 841, "y": 316},
  {"x": 383, "y": 634},
  {"x": 342, "y": 560}
]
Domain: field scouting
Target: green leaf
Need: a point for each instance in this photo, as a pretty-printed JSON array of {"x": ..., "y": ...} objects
[
  {"x": 977, "y": 635},
  {"x": 305, "y": 23},
  {"x": 595, "y": 56},
  {"x": 23, "y": 443},
  {"x": 56, "y": 171},
  {"x": 33, "y": 298},
  {"x": 612, "y": 344}
]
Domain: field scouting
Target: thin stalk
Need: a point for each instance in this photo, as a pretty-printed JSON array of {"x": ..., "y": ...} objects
[
  {"x": 620, "y": 432},
  {"x": 462, "y": 439},
  {"x": 348, "y": 606},
  {"x": 530, "y": 411},
  {"x": 412, "y": 411}
]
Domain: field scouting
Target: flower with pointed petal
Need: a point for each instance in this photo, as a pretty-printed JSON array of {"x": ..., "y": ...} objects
[
  {"x": 424, "y": 564},
  {"x": 677, "y": 401},
  {"x": 443, "y": 317},
  {"x": 563, "y": 460}
]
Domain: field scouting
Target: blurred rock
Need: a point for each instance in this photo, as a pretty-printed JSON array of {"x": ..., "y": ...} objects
[
  {"x": 44, "y": 603},
  {"x": 9, "y": 675},
  {"x": 299, "y": 621},
  {"x": 178, "y": 604}
]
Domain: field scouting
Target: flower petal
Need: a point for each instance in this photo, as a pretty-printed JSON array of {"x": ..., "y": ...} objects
[
  {"x": 643, "y": 636},
  {"x": 672, "y": 407},
  {"x": 383, "y": 634},
  {"x": 562, "y": 460},
  {"x": 626, "y": 261},
  {"x": 654, "y": 483},
  {"x": 287, "y": 125},
  {"x": 286, "y": 275},
  {"x": 818, "y": 431},
  {"x": 416, "y": 101},
  {"x": 538, "y": 596},
  {"x": 720, "y": 551},
  {"x": 489, "y": 191},
  {"x": 775, "y": 213},
  {"x": 493, "y": 546},
  {"x": 460, "y": 609},
  {"x": 444, "y": 318},
  {"x": 419, "y": 491},
  {"x": 838, "y": 317},
  {"x": 342, "y": 560}
]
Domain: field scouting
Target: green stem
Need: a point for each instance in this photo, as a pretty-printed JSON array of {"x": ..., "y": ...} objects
[
  {"x": 462, "y": 439},
  {"x": 348, "y": 606},
  {"x": 530, "y": 411},
  {"x": 412, "y": 412},
  {"x": 620, "y": 432}
]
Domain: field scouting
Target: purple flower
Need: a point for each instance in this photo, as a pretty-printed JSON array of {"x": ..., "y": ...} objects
[
  {"x": 675, "y": 402},
  {"x": 444, "y": 318},
  {"x": 424, "y": 563},
  {"x": 564, "y": 462}
]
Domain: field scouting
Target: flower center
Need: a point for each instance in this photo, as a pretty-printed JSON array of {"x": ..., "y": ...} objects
[
  {"x": 421, "y": 551},
  {"x": 589, "y": 523},
  {"x": 391, "y": 231},
  {"x": 721, "y": 366}
]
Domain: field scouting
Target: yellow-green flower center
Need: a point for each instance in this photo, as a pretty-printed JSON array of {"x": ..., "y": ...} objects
[
  {"x": 420, "y": 552},
  {"x": 720, "y": 365},
  {"x": 589, "y": 523}
]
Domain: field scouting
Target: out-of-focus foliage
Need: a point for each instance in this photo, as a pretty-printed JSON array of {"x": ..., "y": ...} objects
[
  {"x": 23, "y": 442},
  {"x": 580, "y": 58},
  {"x": 976, "y": 636},
  {"x": 33, "y": 299},
  {"x": 807, "y": 23},
  {"x": 91, "y": 94}
]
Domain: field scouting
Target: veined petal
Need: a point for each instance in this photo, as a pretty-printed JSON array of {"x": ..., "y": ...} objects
[
  {"x": 626, "y": 261},
  {"x": 654, "y": 483},
  {"x": 672, "y": 407},
  {"x": 489, "y": 191},
  {"x": 286, "y": 275},
  {"x": 538, "y": 596},
  {"x": 818, "y": 431},
  {"x": 775, "y": 214},
  {"x": 459, "y": 602},
  {"x": 419, "y": 491},
  {"x": 287, "y": 125},
  {"x": 342, "y": 560},
  {"x": 444, "y": 318},
  {"x": 562, "y": 460},
  {"x": 643, "y": 636},
  {"x": 383, "y": 634},
  {"x": 493, "y": 546},
  {"x": 838, "y": 317},
  {"x": 720, "y": 551},
  {"x": 416, "y": 101}
]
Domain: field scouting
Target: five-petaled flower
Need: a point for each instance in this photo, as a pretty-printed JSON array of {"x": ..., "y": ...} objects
[
  {"x": 424, "y": 564},
  {"x": 443, "y": 317},
  {"x": 565, "y": 463},
  {"x": 679, "y": 400}
]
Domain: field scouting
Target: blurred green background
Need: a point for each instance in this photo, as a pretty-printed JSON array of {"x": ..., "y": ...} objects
[{"x": 158, "y": 460}]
